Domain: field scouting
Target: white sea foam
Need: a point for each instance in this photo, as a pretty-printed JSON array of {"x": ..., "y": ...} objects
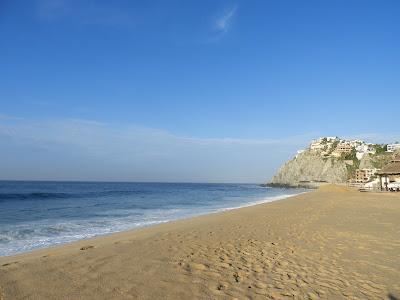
[
  {"x": 265, "y": 200},
  {"x": 26, "y": 236}
]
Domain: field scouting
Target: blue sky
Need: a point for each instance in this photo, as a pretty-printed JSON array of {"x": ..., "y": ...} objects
[{"x": 220, "y": 91}]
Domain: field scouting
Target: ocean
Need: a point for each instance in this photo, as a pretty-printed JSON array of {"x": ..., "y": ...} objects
[{"x": 40, "y": 214}]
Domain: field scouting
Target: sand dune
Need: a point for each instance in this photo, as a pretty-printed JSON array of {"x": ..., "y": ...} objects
[{"x": 333, "y": 243}]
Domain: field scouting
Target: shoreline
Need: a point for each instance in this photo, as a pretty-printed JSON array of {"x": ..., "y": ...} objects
[
  {"x": 329, "y": 243},
  {"x": 157, "y": 223}
]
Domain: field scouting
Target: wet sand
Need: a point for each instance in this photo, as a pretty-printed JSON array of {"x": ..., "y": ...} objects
[{"x": 333, "y": 243}]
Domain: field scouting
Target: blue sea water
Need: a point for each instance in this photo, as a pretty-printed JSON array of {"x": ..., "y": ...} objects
[{"x": 40, "y": 214}]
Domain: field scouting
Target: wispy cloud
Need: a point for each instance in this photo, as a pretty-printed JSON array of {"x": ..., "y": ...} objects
[
  {"x": 83, "y": 11},
  {"x": 53, "y": 9},
  {"x": 76, "y": 149},
  {"x": 131, "y": 152},
  {"x": 374, "y": 137},
  {"x": 220, "y": 25},
  {"x": 7, "y": 117},
  {"x": 224, "y": 22},
  {"x": 77, "y": 132}
]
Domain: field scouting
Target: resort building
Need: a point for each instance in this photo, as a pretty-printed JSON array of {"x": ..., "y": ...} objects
[
  {"x": 317, "y": 145},
  {"x": 355, "y": 143},
  {"x": 341, "y": 148},
  {"x": 364, "y": 149},
  {"x": 392, "y": 147},
  {"x": 344, "y": 148},
  {"x": 390, "y": 173},
  {"x": 364, "y": 175}
]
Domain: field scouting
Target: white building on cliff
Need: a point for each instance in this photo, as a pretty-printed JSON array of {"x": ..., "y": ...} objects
[{"x": 392, "y": 147}]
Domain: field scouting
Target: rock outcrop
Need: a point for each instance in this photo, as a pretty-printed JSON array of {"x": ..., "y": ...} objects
[
  {"x": 334, "y": 160},
  {"x": 310, "y": 167},
  {"x": 376, "y": 161}
]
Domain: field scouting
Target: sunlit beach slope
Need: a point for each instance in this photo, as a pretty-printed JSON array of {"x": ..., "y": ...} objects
[{"x": 332, "y": 243}]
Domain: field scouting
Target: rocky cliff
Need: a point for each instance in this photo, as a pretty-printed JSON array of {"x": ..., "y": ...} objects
[
  {"x": 371, "y": 161},
  {"x": 334, "y": 160},
  {"x": 311, "y": 167}
]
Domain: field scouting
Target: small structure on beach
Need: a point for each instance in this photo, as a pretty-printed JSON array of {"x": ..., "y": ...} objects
[{"x": 390, "y": 173}]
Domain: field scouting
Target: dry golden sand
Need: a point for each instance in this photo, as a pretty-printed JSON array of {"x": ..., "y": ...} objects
[{"x": 331, "y": 244}]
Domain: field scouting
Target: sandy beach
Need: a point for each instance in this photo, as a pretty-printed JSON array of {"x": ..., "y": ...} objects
[{"x": 332, "y": 243}]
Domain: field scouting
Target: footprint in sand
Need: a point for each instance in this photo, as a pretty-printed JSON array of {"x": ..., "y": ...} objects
[
  {"x": 312, "y": 296},
  {"x": 236, "y": 276},
  {"x": 223, "y": 265},
  {"x": 87, "y": 247},
  {"x": 222, "y": 286},
  {"x": 195, "y": 267},
  {"x": 258, "y": 269},
  {"x": 9, "y": 264}
]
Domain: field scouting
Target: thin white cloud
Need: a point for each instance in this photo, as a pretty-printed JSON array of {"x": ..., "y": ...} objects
[
  {"x": 224, "y": 22},
  {"x": 130, "y": 152},
  {"x": 77, "y": 131},
  {"x": 76, "y": 149},
  {"x": 84, "y": 12},
  {"x": 220, "y": 26},
  {"x": 374, "y": 137},
  {"x": 9, "y": 117},
  {"x": 52, "y": 9}
]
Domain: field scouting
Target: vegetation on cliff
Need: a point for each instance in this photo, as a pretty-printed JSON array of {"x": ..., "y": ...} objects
[{"x": 331, "y": 160}]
